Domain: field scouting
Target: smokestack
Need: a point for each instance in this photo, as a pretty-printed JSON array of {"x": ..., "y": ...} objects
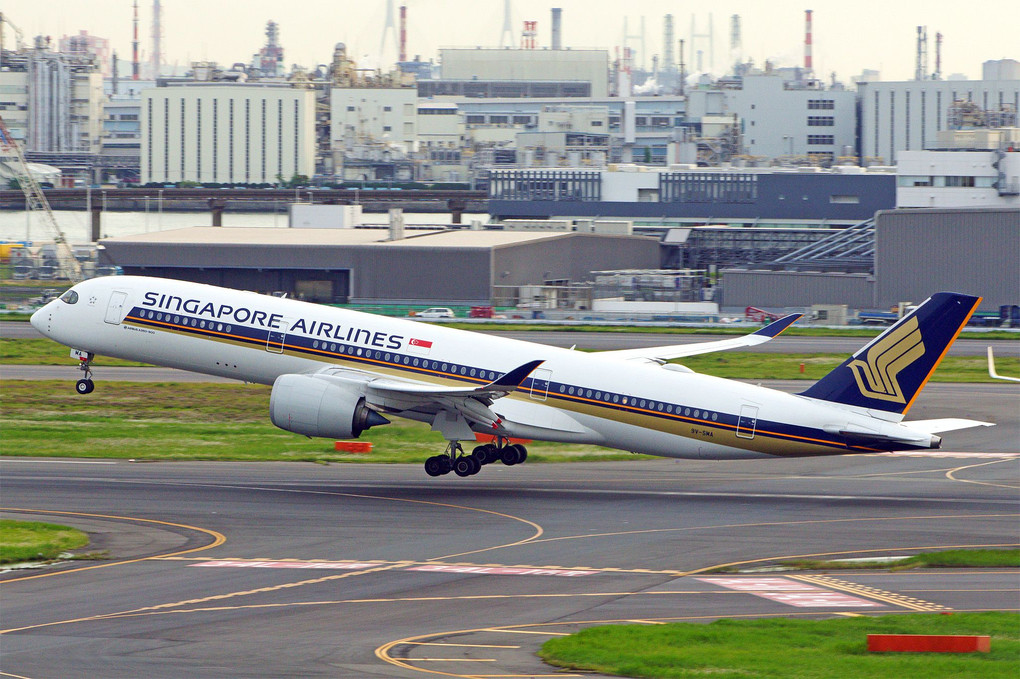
[
  {"x": 134, "y": 45},
  {"x": 807, "y": 41},
  {"x": 403, "y": 34},
  {"x": 557, "y": 28},
  {"x": 157, "y": 35},
  {"x": 937, "y": 75}
]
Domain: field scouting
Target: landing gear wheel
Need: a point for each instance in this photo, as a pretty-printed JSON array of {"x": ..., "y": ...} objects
[
  {"x": 84, "y": 386},
  {"x": 434, "y": 466},
  {"x": 445, "y": 464},
  {"x": 508, "y": 455},
  {"x": 522, "y": 453},
  {"x": 486, "y": 453},
  {"x": 466, "y": 466}
]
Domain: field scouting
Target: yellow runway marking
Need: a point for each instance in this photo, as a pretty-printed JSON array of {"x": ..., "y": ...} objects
[
  {"x": 218, "y": 539},
  {"x": 451, "y": 659},
  {"x": 870, "y": 593},
  {"x": 951, "y": 472},
  {"x": 438, "y": 643},
  {"x": 765, "y": 524},
  {"x": 521, "y": 631},
  {"x": 152, "y": 610}
]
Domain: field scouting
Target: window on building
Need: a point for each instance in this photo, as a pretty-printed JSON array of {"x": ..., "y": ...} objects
[
  {"x": 820, "y": 140},
  {"x": 640, "y": 120},
  {"x": 660, "y": 121},
  {"x": 387, "y": 108},
  {"x": 522, "y": 120},
  {"x": 499, "y": 120},
  {"x": 475, "y": 120},
  {"x": 844, "y": 200},
  {"x": 821, "y": 104},
  {"x": 960, "y": 181},
  {"x": 350, "y": 108},
  {"x": 821, "y": 121}
]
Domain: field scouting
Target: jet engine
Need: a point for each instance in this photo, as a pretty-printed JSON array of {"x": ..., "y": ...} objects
[{"x": 315, "y": 406}]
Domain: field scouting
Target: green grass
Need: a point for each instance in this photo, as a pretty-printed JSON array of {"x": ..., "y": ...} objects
[
  {"x": 953, "y": 558},
  {"x": 731, "y": 364},
  {"x": 41, "y": 351},
  {"x": 789, "y": 648},
  {"x": 163, "y": 421},
  {"x": 36, "y": 541}
]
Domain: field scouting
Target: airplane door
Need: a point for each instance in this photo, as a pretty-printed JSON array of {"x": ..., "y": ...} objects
[
  {"x": 747, "y": 422},
  {"x": 115, "y": 310},
  {"x": 277, "y": 337},
  {"x": 540, "y": 384}
]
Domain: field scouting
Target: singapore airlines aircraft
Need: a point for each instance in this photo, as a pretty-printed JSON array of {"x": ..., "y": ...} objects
[{"x": 335, "y": 373}]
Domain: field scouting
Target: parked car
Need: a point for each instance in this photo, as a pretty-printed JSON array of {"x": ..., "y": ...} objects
[{"x": 436, "y": 312}]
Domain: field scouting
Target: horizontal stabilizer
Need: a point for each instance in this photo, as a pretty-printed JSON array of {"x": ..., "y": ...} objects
[
  {"x": 665, "y": 353},
  {"x": 945, "y": 424}
]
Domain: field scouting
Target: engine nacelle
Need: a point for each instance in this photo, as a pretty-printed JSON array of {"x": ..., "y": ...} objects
[{"x": 314, "y": 406}]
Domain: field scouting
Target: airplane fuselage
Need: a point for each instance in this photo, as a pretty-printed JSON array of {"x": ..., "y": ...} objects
[{"x": 572, "y": 396}]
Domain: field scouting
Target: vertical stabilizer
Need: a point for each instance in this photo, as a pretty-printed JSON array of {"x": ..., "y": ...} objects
[{"x": 890, "y": 371}]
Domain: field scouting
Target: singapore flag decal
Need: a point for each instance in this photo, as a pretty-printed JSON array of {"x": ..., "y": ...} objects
[{"x": 420, "y": 347}]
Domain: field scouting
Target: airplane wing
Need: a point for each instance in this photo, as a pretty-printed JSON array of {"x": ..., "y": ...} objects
[{"x": 665, "y": 353}]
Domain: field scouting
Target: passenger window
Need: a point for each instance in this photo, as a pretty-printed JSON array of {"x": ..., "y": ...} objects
[{"x": 69, "y": 297}]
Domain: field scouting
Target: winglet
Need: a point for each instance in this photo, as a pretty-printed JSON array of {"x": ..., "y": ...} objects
[
  {"x": 995, "y": 375},
  {"x": 776, "y": 327},
  {"x": 513, "y": 379}
]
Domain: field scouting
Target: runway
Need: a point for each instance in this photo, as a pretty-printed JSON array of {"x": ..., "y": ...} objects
[{"x": 240, "y": 570}]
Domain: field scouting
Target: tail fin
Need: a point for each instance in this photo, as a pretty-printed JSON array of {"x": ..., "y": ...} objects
[{"x": 890, "y": 371}]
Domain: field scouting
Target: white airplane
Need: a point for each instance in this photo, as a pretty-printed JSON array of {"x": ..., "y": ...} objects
[{"x": 336, "y": 373}]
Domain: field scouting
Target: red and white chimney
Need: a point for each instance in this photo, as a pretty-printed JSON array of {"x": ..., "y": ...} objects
[{"x": 807, "y": 41}]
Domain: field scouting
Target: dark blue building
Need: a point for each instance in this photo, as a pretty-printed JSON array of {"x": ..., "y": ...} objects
[{"x": 751, "y": 197}]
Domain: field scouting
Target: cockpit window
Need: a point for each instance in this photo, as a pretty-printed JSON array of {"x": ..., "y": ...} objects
[{"x": 69, "y": 297}]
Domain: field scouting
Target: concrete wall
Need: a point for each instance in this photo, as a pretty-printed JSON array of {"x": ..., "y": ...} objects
[
  {"x": 571, "y": 257},
  {"x": 920, "y": 252},
  {"x": 512, "y": 64},
  {"x": 781, "y": 289}
]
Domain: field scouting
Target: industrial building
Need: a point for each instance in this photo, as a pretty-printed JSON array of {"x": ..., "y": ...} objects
[
  {"x": 562, "y": 65},
  {"x": 227, "y": 133},
  {"x": 367, "y": 266},
  {"x": 741, "y": 196},
  {"x": 907, "y": 115},
  {"x": 915, "y": 253}
]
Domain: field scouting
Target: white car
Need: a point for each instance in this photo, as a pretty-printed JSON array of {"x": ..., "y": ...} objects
[{"x": 436, "y": 312}]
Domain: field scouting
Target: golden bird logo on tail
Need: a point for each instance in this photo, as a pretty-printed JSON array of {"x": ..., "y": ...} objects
[{"x": 876, "y": 377}]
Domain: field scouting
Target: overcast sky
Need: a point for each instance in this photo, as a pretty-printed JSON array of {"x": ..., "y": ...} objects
[{"x": 849, "y": 36}]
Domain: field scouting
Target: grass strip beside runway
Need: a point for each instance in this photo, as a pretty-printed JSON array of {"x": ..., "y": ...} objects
[
  {"x": 789, "y": 648},
  {"x": 36, "y": 541}
]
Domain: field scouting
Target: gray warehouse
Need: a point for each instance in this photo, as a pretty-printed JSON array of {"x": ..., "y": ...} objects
[
  {"x": 917, "y": 253},
  {"x": 364, "y": 266}
]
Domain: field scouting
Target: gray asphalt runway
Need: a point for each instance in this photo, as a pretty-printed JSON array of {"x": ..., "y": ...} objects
[
  {"x": 604, "y": 341},
  {"x": 245, "y": 570}
]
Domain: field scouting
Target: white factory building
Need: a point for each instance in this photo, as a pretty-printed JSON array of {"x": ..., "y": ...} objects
[
  {"x": 964, "y": 169},
  {"x": 907, "y": 115},
  {"x": 208, "y": 132}
]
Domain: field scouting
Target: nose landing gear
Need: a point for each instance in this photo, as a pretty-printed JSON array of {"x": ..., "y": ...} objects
[{"x": 84, "y": 385}]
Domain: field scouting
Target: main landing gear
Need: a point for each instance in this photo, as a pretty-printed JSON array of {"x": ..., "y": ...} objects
[
  {"x": 85, "y": 385},
  {"x": 463, "y": 464}
]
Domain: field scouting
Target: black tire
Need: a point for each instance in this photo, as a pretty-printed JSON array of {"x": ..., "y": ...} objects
[
  {"x": 84, "y": 386},
  {"x": 465, "y": 466},
  {"x": 434, "y": 466},
  {"x": 508, "y": 455},
  {"x": 491, "y": 453},
  {"x": 480, "y": 454},
  {"x": 522, "y": 453},
  {"x": 445, "y": 464}
]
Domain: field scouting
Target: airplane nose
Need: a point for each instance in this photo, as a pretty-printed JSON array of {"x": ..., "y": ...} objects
[{"x": 38, "y": 319}]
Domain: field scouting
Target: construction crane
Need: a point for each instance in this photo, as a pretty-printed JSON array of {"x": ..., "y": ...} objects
[{"x": 35, "y": 201}]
